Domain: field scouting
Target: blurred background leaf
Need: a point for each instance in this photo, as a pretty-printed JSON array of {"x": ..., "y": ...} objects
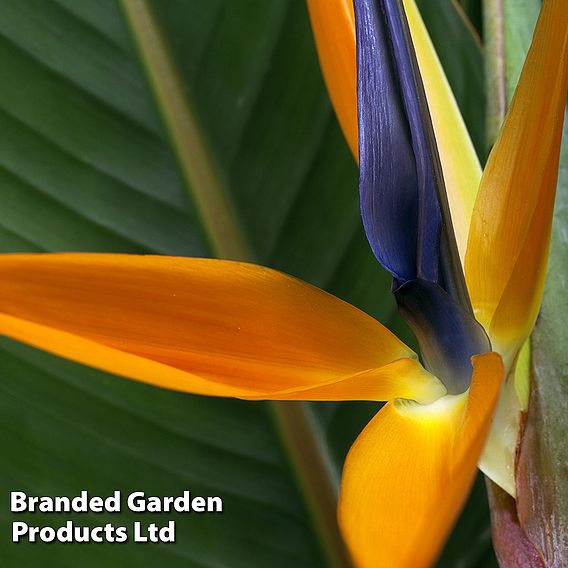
[
  {"x": 520, "y": 20},
  {"x": 473, "y": 10},
  {"x": 87, "y": 164}
]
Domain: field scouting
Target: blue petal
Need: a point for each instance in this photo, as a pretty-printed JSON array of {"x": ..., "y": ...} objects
[{"x": 399, "y": 204}]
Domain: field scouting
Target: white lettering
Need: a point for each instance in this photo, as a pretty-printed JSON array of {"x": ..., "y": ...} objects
[
  {"x": 214, "y": 505},
  {"x": 154, "y": 505},
  {"x": 112, "y": 504},
  {"x": 154, "y": 533},
  {"x": 18, "y": 529},
  {"x": 198, "y": 504},
  {"x": 136, "y": 502},
  {"x": 18, "y": 502},
  {"x": 138, "y": 537},
  {"x": 47, "y": 534},
  {"x": 168, "y": 534}
]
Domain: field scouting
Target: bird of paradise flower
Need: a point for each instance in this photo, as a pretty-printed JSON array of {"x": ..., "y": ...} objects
[{"x": 231, "y": 329}]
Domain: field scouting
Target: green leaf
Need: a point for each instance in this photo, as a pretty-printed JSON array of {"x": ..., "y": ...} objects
[
  {"x": 472, "y": 8},
  {"x": 520, "y": 19},
  {"x": 91, "y": 160},
  {"x": 509, "y": 26}
]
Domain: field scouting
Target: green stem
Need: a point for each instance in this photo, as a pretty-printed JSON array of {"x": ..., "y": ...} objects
[
  {"x": 314, "y": 470},
  {"x": 496, "y": 88}
]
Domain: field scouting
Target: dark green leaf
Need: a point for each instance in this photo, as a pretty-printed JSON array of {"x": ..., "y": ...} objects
[{"x": 473, "y": 9}]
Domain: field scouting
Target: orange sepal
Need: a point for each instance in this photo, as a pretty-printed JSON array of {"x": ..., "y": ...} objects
[
  {"x": 409, "y": 472},
  {"x": 510, "y": 232},
  {"x": 205, "y": 326}
]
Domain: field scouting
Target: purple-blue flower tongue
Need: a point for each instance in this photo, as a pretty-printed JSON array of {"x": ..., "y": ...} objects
[
  {"x": 398, "y": 194},
  {"x": 403, "y": 200},
  {"x": 447, "y": 334}
]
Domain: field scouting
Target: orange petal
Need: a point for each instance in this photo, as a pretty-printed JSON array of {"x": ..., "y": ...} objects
[
  {"x": 510, "y": 232},
  {"x": 333, "y": 24},
  {"x": 409, "y": 472},
  {"x": 205, "y": 326}
]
